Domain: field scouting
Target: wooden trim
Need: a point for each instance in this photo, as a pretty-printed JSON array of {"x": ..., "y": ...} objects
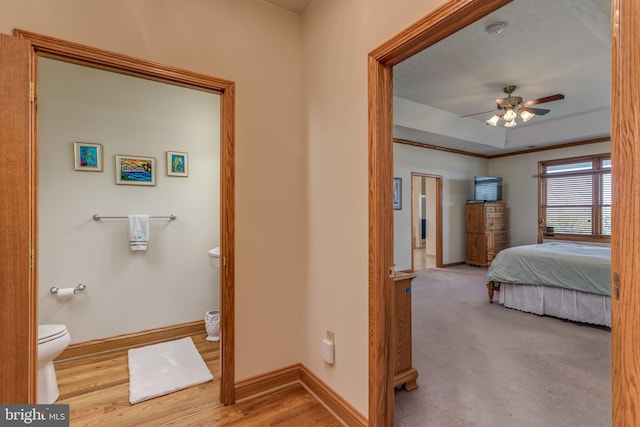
[
  {"x": 298, "y": 373},
  {"x": 227, "y": 245},
  {"x": 439, "y": 24},
  {"x": 553, "y": 147},
  {"x": 132, "y": 340},
  {"x": 267, "y": 382},
  {"x": 511, "y": 153},
  {"x": 381, "y": 409},
  {"x": 442, "y": 22},
  {"x": 336, "y": 404},
  {"x": 102, "y": 59},
  {"x": 18, "y": 369},
  {"x": 51, "y": 47},
  {"x": 439, "y": 222},
  {"x": 625, "y": 240},
  {"x": 437, "y": 148}
]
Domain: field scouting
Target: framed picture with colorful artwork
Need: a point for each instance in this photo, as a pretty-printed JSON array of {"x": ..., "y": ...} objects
[
  {"x": 177, "y": 163},
  {"x": 87, "y": 156},
  {"x": 135, "y": 170}
]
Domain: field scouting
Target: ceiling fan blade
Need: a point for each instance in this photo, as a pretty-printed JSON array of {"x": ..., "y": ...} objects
[
  {"x": 537, "y": 111},
  {"x": 555, "y": 97},
  {"x": 476, "y": 114}
]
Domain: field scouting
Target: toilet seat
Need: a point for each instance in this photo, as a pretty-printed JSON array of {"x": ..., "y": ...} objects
[{"x": 48, "y": 333}]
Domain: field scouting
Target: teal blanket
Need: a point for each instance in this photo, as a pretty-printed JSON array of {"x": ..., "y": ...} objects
[{"x": 585, "y": 268}]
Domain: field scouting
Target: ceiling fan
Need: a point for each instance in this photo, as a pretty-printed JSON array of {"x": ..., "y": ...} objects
[{"x": 511, "y": 108}]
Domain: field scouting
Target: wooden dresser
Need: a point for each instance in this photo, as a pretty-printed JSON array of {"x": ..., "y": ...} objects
[
  {"x": 486, "y": 232},
  {"x": 405, "y": 374}
]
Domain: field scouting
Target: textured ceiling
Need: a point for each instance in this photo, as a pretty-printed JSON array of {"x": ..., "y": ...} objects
[{"x": 547, "y": 47}]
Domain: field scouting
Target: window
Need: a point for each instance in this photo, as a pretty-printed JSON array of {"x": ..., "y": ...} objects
[{"x": 575, "y": 198}]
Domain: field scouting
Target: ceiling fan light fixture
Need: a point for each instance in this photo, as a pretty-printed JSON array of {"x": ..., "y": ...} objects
[
  {"x": 510, "y": 115},
  {"x": 510, "y": 124},
  {"x": 526, "y": 116},
  {"x": 493, "y": 121}
]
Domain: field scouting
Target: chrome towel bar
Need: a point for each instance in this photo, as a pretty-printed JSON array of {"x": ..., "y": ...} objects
[
  {"x": 80, "y": 287},
  {"x": 98, "y": 217}
]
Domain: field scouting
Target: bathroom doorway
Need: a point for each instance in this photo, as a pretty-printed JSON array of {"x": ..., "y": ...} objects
[
  {"x": 426, "y": 229},
  {"x": 25, "y": 147},
  {"x": 115, "y": 117}
]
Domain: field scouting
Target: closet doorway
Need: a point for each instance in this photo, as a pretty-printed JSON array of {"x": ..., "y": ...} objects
[{"x": 426, "y": 218}]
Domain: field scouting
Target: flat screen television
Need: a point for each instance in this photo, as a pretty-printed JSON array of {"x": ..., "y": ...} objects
[{"x": 487, "y": 188}]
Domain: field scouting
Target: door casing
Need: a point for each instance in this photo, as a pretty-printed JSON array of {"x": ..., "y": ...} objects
[
  {"x": 625, "y": 150},
  {"x": 438, "y": 218},
  {"x": 21, "y": 390}
]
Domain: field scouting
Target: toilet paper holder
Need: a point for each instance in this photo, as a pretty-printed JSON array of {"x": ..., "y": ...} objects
[{"x": 80, "y": 287}]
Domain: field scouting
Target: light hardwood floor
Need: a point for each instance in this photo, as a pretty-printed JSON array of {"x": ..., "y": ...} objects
[
  {"x": 97, "y": 391},
  {"x": 422, "y": 261}
]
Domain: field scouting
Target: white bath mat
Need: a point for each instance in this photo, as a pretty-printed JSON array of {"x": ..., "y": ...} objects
[{"x": 159, "y": 369}]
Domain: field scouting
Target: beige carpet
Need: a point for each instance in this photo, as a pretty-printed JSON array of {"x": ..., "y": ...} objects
[{"x": 482, "y": 364}]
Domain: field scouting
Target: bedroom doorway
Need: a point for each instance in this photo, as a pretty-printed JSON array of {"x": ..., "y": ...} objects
[
  {"x": 444, "y": 21},
  {"x": 426, "y": 217}
]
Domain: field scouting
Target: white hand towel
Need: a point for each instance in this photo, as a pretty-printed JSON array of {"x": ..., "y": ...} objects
[{"x": 138, "y": 232}]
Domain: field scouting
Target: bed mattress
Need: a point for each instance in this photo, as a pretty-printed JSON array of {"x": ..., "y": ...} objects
[{"x": 584, "y": 268}]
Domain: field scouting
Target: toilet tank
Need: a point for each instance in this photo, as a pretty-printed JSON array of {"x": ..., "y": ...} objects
[{"x": 214, "y": 257}]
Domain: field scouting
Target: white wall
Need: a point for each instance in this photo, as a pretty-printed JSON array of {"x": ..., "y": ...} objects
[
  {"x": 337, "y": 36},
  {"x": 520, "y": 187},
  {"x": 520, "y": 193},
  {"x": 457, "y": 173},
  {"x": 258, "y": 46},
  {"x": 127, "y": 291}
]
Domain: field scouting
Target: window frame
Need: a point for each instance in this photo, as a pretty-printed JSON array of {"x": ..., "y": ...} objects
[{"x": 597, "y": 206}]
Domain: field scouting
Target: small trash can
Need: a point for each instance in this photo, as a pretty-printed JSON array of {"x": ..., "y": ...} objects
[{"x": 212, "y": 323}]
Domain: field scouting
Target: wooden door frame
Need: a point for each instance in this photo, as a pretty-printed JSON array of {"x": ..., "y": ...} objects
[
  {"x": 81, "y": 54},
  {"x": 18, "y": 369},
  {"x": 625, "y": 151},
  {"x": 438, "y": 179}
]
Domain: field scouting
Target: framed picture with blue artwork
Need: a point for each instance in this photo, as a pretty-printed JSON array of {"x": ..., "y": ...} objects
[
  {"x": 87, "y": 156},
  {"x": 177, "y": 163}
]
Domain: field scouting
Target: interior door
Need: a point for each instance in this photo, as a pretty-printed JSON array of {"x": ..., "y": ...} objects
[{"x": 17, "y": 284}]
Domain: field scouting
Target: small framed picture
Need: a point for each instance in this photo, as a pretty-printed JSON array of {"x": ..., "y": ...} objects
[
  {"x": 87, "y": 156},
  {"x": 177, "y": 163},
  {"x": 135, "y": 170},
  {"x": 397, "y": 193}
]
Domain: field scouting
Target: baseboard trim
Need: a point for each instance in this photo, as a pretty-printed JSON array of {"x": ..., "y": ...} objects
[
  {"x": 132, "y": 340},
  {"x": 452, "y": 264},
  {"x": 267, "y": 382},
  {"x": 330, "y": 399}
]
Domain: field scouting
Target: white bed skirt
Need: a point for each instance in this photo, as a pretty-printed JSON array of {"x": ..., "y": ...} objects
[{"x": 558, "y": 302}]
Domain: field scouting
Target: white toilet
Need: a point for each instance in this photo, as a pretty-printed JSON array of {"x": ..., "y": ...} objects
[{"x": 52, "y": 340}]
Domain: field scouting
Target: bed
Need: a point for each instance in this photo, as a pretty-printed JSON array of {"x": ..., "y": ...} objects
[{"x": 566, "y": 280}]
